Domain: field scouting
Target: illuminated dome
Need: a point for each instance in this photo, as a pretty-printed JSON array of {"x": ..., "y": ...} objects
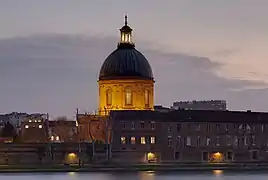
[{"x": 126, "y": 62}]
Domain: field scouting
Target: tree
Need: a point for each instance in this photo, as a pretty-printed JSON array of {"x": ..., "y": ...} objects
[{"x": 8, "y": 131}]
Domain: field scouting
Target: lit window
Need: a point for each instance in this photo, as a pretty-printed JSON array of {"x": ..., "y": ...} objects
[
  {"x": 40, "y": 126},
  {"x": 109, "y": 97},
  {"x": 35, "y": 120},
  {"x": 133, "y": 140},
  {"x": 39, "y": 120},
  {"x": 128, "y": 96},
  {"x": 52, "y": 138},
  {"x": 57, "y": 138},
  {"x": 152, "y": 140},
  {"x": 123, "y": 140},
  {"x": 143, "y": 140},
  {"x": 146, "y": 97},
  {"x": 30, "y": 120},
  {"x": 26, "y": 126}
]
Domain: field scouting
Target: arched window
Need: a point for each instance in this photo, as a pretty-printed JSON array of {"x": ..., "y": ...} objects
[
  {"x": 128, "y": 96},
  {"x": 146, "y": 97},
  {"x": 109, "y": 97}
]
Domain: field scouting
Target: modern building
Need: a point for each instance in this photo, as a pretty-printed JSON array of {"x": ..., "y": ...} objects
[
  {"x": 126, "y": 79},
  {"x": 34, "y": 129},
  {"x": 216, "y": 105}
]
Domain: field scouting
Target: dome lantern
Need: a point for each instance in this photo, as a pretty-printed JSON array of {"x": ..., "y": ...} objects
[{"x": 126, "y": 36}]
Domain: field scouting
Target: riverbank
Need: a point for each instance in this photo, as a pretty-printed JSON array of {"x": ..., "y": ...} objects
[{"x": 126, "y": 168}]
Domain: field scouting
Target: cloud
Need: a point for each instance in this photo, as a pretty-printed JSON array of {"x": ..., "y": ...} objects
[{"x": 58, "y": 73}]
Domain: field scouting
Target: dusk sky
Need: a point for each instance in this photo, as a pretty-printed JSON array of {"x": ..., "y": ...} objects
[{"x": 51, "y": 51}]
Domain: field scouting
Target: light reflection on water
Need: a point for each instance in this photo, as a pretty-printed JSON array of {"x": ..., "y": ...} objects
[{"x": 149, "y": 175}]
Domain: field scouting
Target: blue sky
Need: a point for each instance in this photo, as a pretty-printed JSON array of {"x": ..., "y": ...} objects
[{"x": 51, "y": 51}]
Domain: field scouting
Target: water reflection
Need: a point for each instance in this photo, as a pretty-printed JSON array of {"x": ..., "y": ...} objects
[
  {"x": 148, "y": 175},
  {"x": 217, "y": 172}
]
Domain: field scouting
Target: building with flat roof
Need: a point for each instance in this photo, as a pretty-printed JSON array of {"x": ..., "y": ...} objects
[{"x": 217, "y": 105}]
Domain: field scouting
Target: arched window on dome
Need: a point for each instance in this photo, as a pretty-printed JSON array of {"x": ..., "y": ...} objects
[
  {"x": 146, "y": 97},
  {"x": 128, "y": 96},
  {"x": 109, "y": 97}
]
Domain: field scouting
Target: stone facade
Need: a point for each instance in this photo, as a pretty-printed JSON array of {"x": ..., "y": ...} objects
[
  {"x": 190, "y": 136},
  {"x": 62, "y": 131},
  {"x": 125, "y": 94}
]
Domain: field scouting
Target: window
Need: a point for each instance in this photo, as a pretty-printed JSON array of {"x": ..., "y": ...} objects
[
  {"x": 235, "y": 141},
  {"x": 128, "y": 96},
  {"x": 229, "y": 156},
  {"x": 178, "y": 141},
  {"x": 133, "y": 140},
  {"x": 40, "y": 126},
  {"x": 26, "y": 126},
  {"x": 188, "y": 141},
  {"x": 169, "y": 129},
  {"x": 52, "y": 138},
  {"x": 198, "y": 141},
  {"x": 142, "y": 124},
  {"x": 57, "y": 138},
  {"x": 229, "y": 140},
  {"x": 245, "y": 141},
  {"x": 262, "y": 128},
  {"x": 253, "y": 140},
  {"x": 123, "y": 140},
  {"x": 109, "y": 97},
  {"x": 218, "y": 127},
  {"x": 177, "y": 155},
  {"x": 152, "y": 140},
  {"x": 146, "y": 97},
  {"x": 169, "y": 141},
  {"x": 143, "y": 140},
  {"x": 152, "y": 124},
  {"x": 123, "y": 125},
  {"x": 205, "y": 156},
  {"x": 208, "y": 141},
  {"x": 226, "y": 128},
  {"x": 217, "y": 141},
  {"x": 208, "y": 127},
  {"x": 197, "y": 127},
  {"x": 254, "y": 155},
  {"x": 178, "y": 127},
  {"x": 133, "y": 125}
]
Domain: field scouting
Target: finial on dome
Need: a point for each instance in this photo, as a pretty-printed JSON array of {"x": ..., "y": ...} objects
[
  {"x": 126, "y": 35},
  {"x": 125, "y": 19}
]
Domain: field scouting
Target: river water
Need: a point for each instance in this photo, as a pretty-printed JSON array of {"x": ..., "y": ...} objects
[{"x": 216, "y": 175}]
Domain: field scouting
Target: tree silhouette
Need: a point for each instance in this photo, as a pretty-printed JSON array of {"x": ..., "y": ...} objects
[{"x": 8, "y": 131}]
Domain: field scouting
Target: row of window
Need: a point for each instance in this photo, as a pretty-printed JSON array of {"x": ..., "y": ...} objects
[
  {"x": 128, "y": 97},
  {"x": 222, "y": 127},
  {"x": 218, "y": 141},
  {"x": 33, "y": 126},
  {"x": 141, "y": 140},
  {"x": 197, "y": 127},
  {"x": 141, "y": 125}
]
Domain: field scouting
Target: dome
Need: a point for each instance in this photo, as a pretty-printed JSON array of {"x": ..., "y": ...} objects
[{"x": 126, "y": 63}]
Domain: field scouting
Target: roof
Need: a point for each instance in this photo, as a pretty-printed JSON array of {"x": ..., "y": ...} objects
[
  {"x": 61, "y": 123},
  {"x": 192, "y": 116},
  {"x": 126, "y": 62}
]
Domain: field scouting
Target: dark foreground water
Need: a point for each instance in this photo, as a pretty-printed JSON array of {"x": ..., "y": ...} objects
[{"x": 216, "y": 175}]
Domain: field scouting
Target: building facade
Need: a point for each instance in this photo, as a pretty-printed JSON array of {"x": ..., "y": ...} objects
[
  {"x": 216, "y": 105},
  {"x": 189, "y": 136},
  {"x": 62, "y": 131},
  {"x": 126, "y": 79}
]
